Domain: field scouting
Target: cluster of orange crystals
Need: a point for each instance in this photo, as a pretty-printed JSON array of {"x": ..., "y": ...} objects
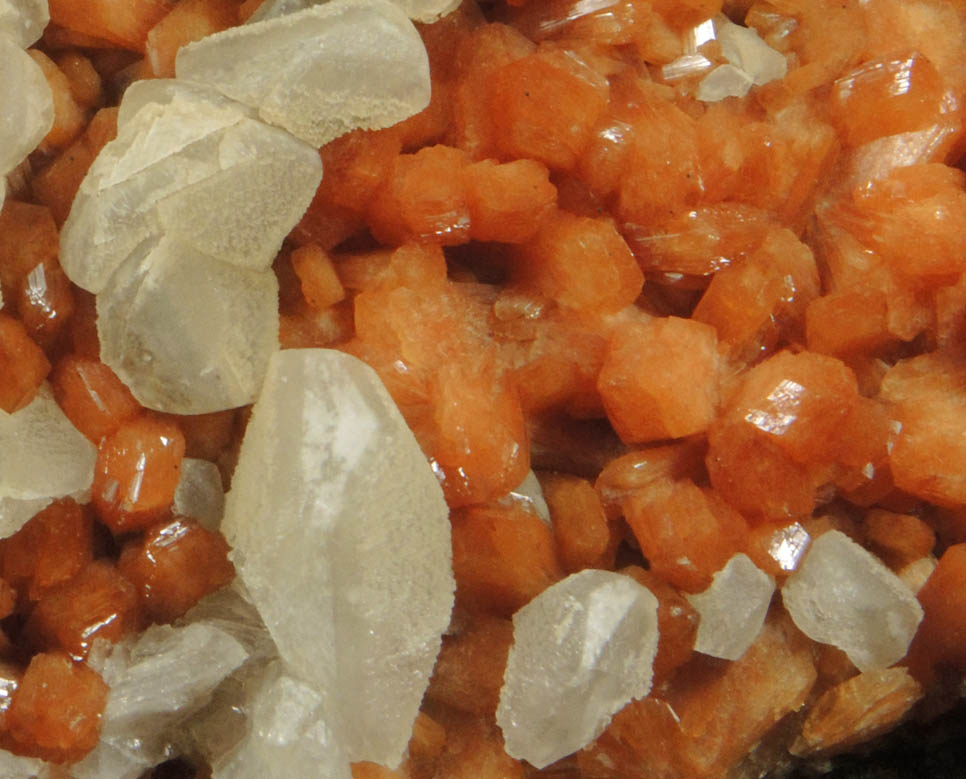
[{"x": 699, "y": 323}]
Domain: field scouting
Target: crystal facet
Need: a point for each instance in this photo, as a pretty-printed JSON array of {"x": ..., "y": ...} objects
[
  {"x": 200, "y": 494},
  {"x": 733, "y": 608},
  {"x": 23, "y": 21},
  {"x": 582, "y": 649},
  {"x": 342, "y": 537},
  {"x": 845, "y": 596},
  {"x": 26, "y": 104},
  {"x": 320, "y": 72}
]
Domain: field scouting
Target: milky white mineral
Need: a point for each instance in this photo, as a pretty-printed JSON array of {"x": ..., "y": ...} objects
[
  {"x": 288, "y": 735},
  {"x": 845, "y": 596},
  {"x": 14, "y": 767},
  {"x": 26, "y": 105},
  {"x": 341, "y": 536},
  {"x": 199, "y": 494},
  {"x": 320, "y": 72},
  {"x": 724, "y": 81},
  {"x": 156, "y": 682},
  {"x": 732, "y": 609},
  {"x": 164, "y": 91},
  {"x": 187, "y": 333},
  {"x": 202, "y": 170},
  {"x": 42, "y": 455},
  {"x": 23, "y": 21},
  {"x": 420, "y": 10},
  {"x": 14, "y": 514},
  {"x": 582, "y": 650},
  {"x": 743, "y": 47}
]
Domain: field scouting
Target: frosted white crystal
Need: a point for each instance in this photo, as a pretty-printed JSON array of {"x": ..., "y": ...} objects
[
  {"x": 26, "y": 105},
  {"x": 724, "y": 81},
  {"x": 14, "y": 514},
  {"x": 582, "y": 650},
  {"x": 744, "y": 48},
  {"x": 321, "y": 72},
  {"x": 420, "y": 10},
  {"x": 14, "y": 767},
  {"x": 42, "y": 455},
  {"x": 341, "y": 535},
  {"x": 844, "y": 595},
  {"x": 289, "y": 734},
  {"x": 163, "y": 91},
  {"x": 530, "y": 493},
  {"x": 186, "y": 333},
  {"x": 23, "y": 21},
  {"x": 202, "y": 171},
  {"x": 732, "y": 609},
  {"x": 199, "y": 494}
]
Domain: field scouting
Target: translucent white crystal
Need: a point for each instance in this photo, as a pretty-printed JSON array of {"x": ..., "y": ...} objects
[
  {"x": 14, "y": 767},
  {"x": 582, "y": 650},
  {"x": 230, "y": 610},
  {"x": 202, "y": 171},
  {"x": 744, "y": 48},
  {"x": 732, "y": 609},
  {"x": 724, "y": 81},
  {"x": 844, "y": 595},
  {"x": 530, "y": 493},
  {"x": 163, "y": 91},
  {"x": 186, "y": 333},
  {"x": 26, "y": 105},
  {"x": 341, "y": 535},
  {"x": 42, "y": 455},
  {"x": 420, "y": 10},
  {"x": 289, "y": 734},
  {"x": 199, "y": 494},
  {"x": 23, "y": 21},
  {"x": 321, "y": 72}
]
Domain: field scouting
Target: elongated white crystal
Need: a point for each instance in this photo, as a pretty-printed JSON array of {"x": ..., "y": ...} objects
[
  {"x": 23, "y": 21},
  {"x": 289, "y": 733},
  {"x": 844, "y": 595},
  {"x": 582, "y": 650},
  {"x": 186, "y": 333},
  {"x": 26, "y": 105},
  {"x": 732, "y": 609},
  {"x": 420, "y": 10},
  {"x": 199, "y": 494},
  {"x": 724, "y": 81},
  {"x": 320, "y": 72},
  {"x": 199, "y": 170},
  {"x": 341, "y": 535},
  {"x": 42, "y": 455},
  {"x": 164, "y": 91}
]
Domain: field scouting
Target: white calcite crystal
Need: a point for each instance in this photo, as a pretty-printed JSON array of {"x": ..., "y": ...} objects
[
  {"x": 342, "y": 537},
  {"x": 187, "y": 333},
  {"x": 23, "y": 21},
  {"x": 42, "y": 454},
  {"x": 420, "y": 10},
  {"x": 14, "y": 767},
  {"x": 197, "y": 169},
  {"x": 199, "y": 494},
  {"x": 732, "y": 609},
  {"x": 530, "y": 494},
  {"x": 724, "y": 81},
  {"x": 14, "y": 514},
  {"x": 582, "y": 650},
  {"x": 845, "y": 596},
  {"x": 750, "y": 62},
  {"x": 288, "y": 733},
  {"x": 320, "y": 72},
  {"x": 156, "y": 683},
  {"x": 26, "y": 105}
]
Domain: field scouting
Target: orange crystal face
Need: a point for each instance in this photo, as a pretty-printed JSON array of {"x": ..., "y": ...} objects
[{"x": 707, "y": 326}]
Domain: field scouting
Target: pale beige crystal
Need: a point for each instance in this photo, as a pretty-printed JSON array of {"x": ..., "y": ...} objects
[
  {"x": 200, "y": 494},
  {"x": 187, "y": 333},
  {"x": 23, "y": 21},
  {"x": 341, "y": 535},
  {"x": 26, "y": 105},
  {"x": 320, "y": 72}
]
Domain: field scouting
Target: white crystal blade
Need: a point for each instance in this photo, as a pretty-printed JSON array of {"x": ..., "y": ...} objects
[
  {"x": 420, "y": 10},
  {"x": 341, "y": 535},
  {"x": 844, "y": 595},
  {"x": 200, "y": 494},
  {"x": 582, "y": 650},
  {"x": 198, "y": 169},
  {"x": 732, "y": 609},
  {"x": 26, "y": 105},
  {"x": 321, "y": 72},
  {"x": 724, "y": 81},
  {"x": 744, "y": 48},
  {"x": 186, "y": 333},
  {"x": 23, "y": 21},
  {"x": 42, "y": 455}
]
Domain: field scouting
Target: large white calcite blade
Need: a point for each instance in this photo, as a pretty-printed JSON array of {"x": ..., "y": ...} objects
[
  {"x": 732, "y": 609},
  {"x": 342, "y": 537},
  {"x": 288, "y": 733},
  {"x": 198, "y": 169},
  {"x": 42, "y": 454},
  {"x": 845, "y": 596},
  {"x": 420, "y": 10},
  {"x": 23, "y": 21},
  {"x": 321, "y": 72},
  {"x": 582, "y": 650},
  {"x": 186, "y": 333},
  {"x": 26, "y": 105}
]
